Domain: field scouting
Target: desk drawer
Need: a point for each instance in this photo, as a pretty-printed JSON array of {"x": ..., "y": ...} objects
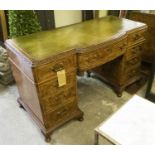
[
  {"x": 133, "y": 62},
  {"x": 61, "y": 114},
  {"x": 48, "y": 71},
  {"x": 99, "y": 56},
  {"x": 50, "y": 88},
  {"x": 54, "y": 101},
  {"x": 135, "y": 72},
  {"x": 133, "y": 52},
  {"x": 136, "y": 38}
]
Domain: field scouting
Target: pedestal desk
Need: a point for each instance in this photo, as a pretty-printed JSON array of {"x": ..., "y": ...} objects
[{"x": 45, "y": 65}]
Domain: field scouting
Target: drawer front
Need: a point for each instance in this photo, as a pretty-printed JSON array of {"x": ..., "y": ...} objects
[
  {"x": 133, "y": 52},
  {"x": 134, "y": 62},
  {"x": 134, "y": 72},
  {"x": 136, "y": 38},
  {"x": 101, "y": 55},
  {"x": 51, "y": 87},
  {"x": 131, "y": 73},
  {"x": 54, "y": 101},
  {"x": 60, "y": 115},
  {"x": 49, "y": 71}
]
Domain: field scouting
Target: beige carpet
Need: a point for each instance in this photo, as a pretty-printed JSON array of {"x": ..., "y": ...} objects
[{"x": 96, "y": 100}]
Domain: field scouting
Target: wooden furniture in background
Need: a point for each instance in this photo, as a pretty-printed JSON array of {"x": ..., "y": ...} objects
[
  {"x": 3, "y": 26},
  {"x": 42, "y": 61},
  {"x": 148, "y": 48},
  {"x": 150, "y": 91},
  {"x": 87, "y": 15}
]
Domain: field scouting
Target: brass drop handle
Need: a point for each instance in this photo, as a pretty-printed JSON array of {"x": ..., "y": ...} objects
[
  {"x": 62, "y": 111},
  {"x": 67, "y": 94},
  {"x": 133, "y": 61},
  {"x": 55, "y": 84},
  {"x": 139, "y": 48},
  {"x": 93, "y": 58},
  {"x": 134, "y": 51},
  {"x": 58, "y": 67},
  {"x": 123, "y": 46},
  {"x": 137, "y": 36},
  {"x": 109, "y": 50},
  {"x": 96, "y": 56},
  {"x": 133, "y": 72}
]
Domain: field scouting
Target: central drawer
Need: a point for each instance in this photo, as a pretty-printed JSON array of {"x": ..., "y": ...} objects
[{"x": 98, "y": 56}]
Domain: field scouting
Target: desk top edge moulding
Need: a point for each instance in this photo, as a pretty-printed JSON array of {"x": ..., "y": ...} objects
[{"x": 45, "y": 65}]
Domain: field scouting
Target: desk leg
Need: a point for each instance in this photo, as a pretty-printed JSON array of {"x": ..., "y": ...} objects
[
  {"x": 119, "y": 91},
  {"x": 96, "y": 142}
]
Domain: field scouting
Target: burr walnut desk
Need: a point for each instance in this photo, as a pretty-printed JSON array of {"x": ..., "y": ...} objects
[{"x": 45, "y": 64}]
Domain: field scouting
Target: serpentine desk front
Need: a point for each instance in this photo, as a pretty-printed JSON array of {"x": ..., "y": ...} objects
[{"x": 45, "y": 65}]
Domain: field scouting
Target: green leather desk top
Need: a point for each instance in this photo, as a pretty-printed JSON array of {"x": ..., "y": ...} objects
[{"x": 41, "y": 45}]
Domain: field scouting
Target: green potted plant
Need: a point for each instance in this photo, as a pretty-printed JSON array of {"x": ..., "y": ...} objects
[{"x": 22, "y": 22}]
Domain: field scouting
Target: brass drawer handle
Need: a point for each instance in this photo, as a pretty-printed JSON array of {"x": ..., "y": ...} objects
[
  {"x": 109, "y": 50},
  {"x": 133, "y": 61},
  {"x": 132, "y": 73},
  {"x": 67, "y": 94},
  {"x": 136, "y": 51},
  {"x": 139, "y": 48},
  {"x": 123, "y": 46},
  {"x": 61, "y": 112},
  {"x": 93, "y": 58},
  {"x": 55, "y": 84},
  {"x": 58, "y": 67},
  {"x": 96, "y": 56},
  {"x": 136, "y": 37}
]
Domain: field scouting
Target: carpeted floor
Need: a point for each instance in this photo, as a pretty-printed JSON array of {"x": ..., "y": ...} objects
[{"x": 96, "y": 100}]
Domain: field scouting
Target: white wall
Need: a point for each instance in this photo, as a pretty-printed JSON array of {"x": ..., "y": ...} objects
[
  {"x": 67, "y": 17},
  {"x": 102, "y": 13}
]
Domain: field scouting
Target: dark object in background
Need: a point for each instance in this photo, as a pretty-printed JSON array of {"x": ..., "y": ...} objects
[
  {"x": 114, "y": 12},
  {"x": 46, "y": 19},
  {"x": 150, "y": 91},
  {"x": 87, "y": 15}
]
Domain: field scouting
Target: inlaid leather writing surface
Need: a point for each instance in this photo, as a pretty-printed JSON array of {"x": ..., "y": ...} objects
[{"x": 41, "y": 45}]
